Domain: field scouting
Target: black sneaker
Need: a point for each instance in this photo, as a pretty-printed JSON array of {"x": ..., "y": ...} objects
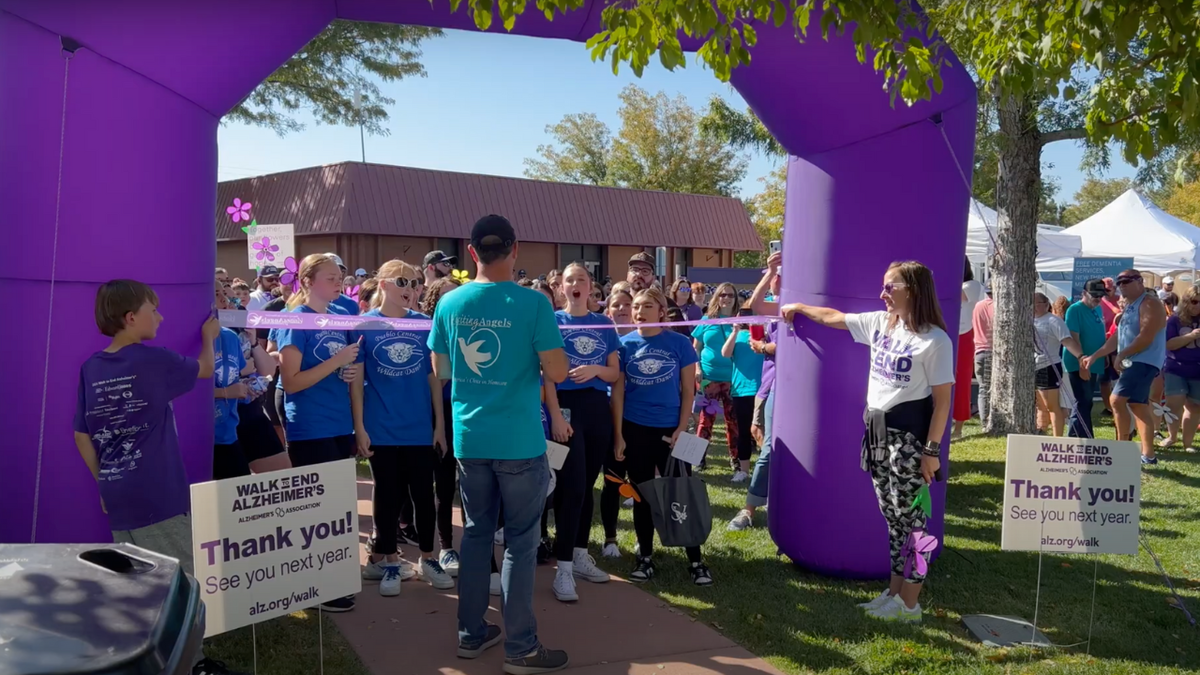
[
  {"x": 700, "y": 574},
  {"x": 407, "y": 535},
  {"x": 540, "y": 661},
  {"x": 1106, "y": 413},
  {"x": 212, "y": 667},
  {"x": 338, "y": 605},
  {"x": 643, "y": 572},
  {"x": 545, "y": 551},
  {"x": 492, "y": 637}
]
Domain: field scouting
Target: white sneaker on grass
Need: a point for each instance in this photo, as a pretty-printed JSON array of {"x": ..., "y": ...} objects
[
  {"x": 611, "y": 550},
  {"x": 389, "y": 585},
  {"x": 585, "y": 568},
  {"x": 373, "y": 571},
  {"x": 744, "y": 520},
  {"x": 628, "y": 503},
  {"x": 564, "y": 585},
  {"x": 494, "y": 587},
  {"x": 896, "y": 610},
  {"x": 877, "y": 602},
  {"x": 740, "y": 476},
  {"x": 432, "y": 572}
]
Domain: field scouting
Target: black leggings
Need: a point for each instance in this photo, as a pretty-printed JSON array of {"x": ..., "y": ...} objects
[
  {"x": 321, "y": 450},
  {"x": 610, "y": 495},
  {"x": 743, "y": 411},
  {"x": 447, "y": 482},
  {"x": 591, "y": 441},
  {"x": 645, "y": 451},
  {"x": 401, "y": 471},
  {"x": 229, "y": 461}
]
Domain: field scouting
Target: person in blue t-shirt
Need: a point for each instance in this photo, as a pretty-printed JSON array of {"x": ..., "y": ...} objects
[
  {"x": 393, "y": 429},
  {"x": 747, "y": 374},
  {"x": 591, "y": 345},
  {"x": 229, "y": 459},
  {"x": 493, "y": 339},
  {"x": 716, "y": 371},
  {"x": 651, "y": 407}
]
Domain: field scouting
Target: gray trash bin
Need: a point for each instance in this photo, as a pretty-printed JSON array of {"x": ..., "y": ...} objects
[{"x": 96, "y": 609}]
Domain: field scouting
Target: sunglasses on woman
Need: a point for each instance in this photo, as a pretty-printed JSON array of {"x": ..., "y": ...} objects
[
  {"x": 401, "y": 282},
  {"x": 890, "y": 288},
  {"x": 725, "y": 295}
]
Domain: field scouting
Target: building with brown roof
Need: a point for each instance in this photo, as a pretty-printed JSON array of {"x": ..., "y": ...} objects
[{"x": 371, "y": 213}]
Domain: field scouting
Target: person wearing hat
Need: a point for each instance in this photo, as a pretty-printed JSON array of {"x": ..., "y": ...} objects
[
  {"x": 641, "y": 271},
  {"x": 494, "y": 339},
  {"x": 437, "y": 265},
  {"x": 268, "y": 279},
  {"x": 1086, "y": 323},
  {"x": 1140, "y": 343},
  {"x": 344, "y": 303},
  {"x": 1168, "y": 287},
  {"x": 360, "y": 275}
]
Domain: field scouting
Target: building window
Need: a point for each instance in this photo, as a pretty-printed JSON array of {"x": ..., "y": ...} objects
[
  {"x": 683, "y": 260},
  {"x": 592, "y": 257}
]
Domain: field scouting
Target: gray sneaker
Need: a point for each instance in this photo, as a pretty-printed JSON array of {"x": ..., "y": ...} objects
[
  {"x": 540, "y": 661},
  {"x": 432, "y": 572},
  {"x": 492, "y": 636},
  {"x": 742, "y": 521}
]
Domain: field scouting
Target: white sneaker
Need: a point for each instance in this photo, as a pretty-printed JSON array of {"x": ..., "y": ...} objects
[
  {"x": 740, "y": 476},
  {"x": 628, "y": 503},
  {"x": 373, "y": 571},
  {"x": 744, "y": 520},
  {"x": 564, "y": 586},
  {"x": 877, "y": 602},
  {"x": 448, "y": 559},
  {"x": 432, "y": 571},
  {"x": 1189, "y": 449},
  {"x": 494, "y": 587},
  {"x": 499, "y": 538},
  {"x": 389, "y": 585},
  {"x": 611, "y": 550},
  {"x": 895, "y": 610},
  {"x": 585, "y": 567}
]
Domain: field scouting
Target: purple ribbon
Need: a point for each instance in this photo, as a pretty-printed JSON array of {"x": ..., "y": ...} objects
[{"x": 236, "y": 318}]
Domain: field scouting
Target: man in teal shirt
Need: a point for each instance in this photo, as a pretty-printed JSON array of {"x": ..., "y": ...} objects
[
  {"x": 495, "y": 340},
  {"x": 1086, "y": 323}
]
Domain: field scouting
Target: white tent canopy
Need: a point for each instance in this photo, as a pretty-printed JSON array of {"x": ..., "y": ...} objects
[
  {"x": 1133, "y": 225},
  {"x": 1056, "y": 250}
]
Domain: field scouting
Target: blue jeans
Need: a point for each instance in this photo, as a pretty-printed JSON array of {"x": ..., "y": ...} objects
[
  {"x": 1081, "y": 415},
  {"x": 756, "y": 496},
  {"x": 519, "y": 487}
]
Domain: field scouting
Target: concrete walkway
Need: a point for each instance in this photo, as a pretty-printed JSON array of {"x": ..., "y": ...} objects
[{"x": 615, "y": 628}]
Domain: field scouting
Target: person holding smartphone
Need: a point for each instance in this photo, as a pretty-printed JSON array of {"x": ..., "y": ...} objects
[
  {"x": 394, "y": 430},
  {"x": 908, "y": 408},
  {"x": 747, "y": 374}
]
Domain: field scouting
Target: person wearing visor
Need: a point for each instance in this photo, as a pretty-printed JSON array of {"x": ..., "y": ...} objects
[{"x": 1140, "y": 343}]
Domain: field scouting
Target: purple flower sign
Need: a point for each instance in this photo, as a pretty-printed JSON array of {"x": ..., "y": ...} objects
[
  {"x": 239, "y": 211},
  {"x": 265, "y": 250}
]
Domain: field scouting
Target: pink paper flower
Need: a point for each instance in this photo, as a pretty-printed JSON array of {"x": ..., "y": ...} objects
[
  {"x": 291, "y": 274},
  {"x": 266, "y": 250},
  {"x": 239, "y": 211},
  {"x": 353, "y": 292}
]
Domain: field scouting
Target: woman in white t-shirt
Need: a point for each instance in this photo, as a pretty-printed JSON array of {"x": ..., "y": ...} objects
[
  {"x": 1050, "y": 335},
  {"x": 908, "y": 406},
  {"x": 964, "y": 369}
]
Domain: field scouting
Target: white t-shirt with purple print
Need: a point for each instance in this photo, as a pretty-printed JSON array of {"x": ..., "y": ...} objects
[{"x": 905, "y": 366}]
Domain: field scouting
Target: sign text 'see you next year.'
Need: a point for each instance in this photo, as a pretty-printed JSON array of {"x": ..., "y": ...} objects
[{"x": 1071, "y": 495}]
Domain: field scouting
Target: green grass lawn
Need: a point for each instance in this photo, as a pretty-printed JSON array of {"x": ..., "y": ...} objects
[{"x": 805, "y": 623}]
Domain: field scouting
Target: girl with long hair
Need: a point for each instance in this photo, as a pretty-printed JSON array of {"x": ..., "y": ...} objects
[
  {"x": 699, "y": 294},
  {"x": 908, "y": 406},
  {"x": 1050, "y": 336},
  {"x": 1181, "y": 372},
  {"x": 619, "y": 307},
  {"x": 651, "y": 405},
  {"x": 747, "y": 375},
  {"x": 620, "y": 311},
  {"x": 681, "y": 293},
  {"x": 393, "y": 427},
  {"x": 715, "y": 372},
  {"x": 591, "y": 345},
  {"x": 316, "y": 366}
]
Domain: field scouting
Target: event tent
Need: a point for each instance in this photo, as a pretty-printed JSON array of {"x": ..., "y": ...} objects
[
  {"x": 1134, "y": 225},
  {"x": 1056, "y": 250}
]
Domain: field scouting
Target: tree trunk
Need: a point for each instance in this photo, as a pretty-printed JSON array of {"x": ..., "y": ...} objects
[{"x": 1014, "y": 277}]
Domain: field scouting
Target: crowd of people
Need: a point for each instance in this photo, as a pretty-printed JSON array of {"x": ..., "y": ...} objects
[{"x": 616, "y": 371}]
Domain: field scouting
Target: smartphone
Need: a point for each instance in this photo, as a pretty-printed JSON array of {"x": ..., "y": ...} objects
[
  {"x": 775, "y": 246},
  {"x": 744, "y": 311}
]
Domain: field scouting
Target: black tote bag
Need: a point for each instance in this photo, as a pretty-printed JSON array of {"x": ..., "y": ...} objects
[{"x": 679, "y": 505}]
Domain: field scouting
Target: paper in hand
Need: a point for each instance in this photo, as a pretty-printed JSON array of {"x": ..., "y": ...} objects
[
  {"x": 556, "y": 454},
  {"x": 690, "y": 448}
]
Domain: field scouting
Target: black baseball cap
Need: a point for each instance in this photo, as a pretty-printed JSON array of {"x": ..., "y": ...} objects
[
  {"x": 642, "y": 258},
  {"x": 435, "y": 257},
  {"x": 268, "y": 271},
  {"x": 493, "y": 233},
  {"x": 1095, "y": 288},
  {"x": 521, "y": 274}
]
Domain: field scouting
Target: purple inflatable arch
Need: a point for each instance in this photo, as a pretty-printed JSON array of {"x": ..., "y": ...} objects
[{"x": 108, "y": 149}]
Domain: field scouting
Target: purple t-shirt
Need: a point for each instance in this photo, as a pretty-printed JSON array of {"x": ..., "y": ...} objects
[
  {"x": 125, "y": 406},
  {"x": 768, "y": 370},
  {"x": 1184, "y": 362}
]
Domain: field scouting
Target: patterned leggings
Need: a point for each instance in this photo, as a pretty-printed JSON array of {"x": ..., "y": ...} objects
[
  {"x": 719, "y": 391},
  {"x": 897, "y": 480}
]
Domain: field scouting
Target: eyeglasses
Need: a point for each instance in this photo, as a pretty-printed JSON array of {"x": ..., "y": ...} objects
[
  {"x": 684, "y": 289},
  {"x": 892, "y": 287},
  {"x": 401, "y": 282}
]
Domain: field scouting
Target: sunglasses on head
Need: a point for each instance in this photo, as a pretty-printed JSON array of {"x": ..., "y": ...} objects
[
  {"x": 401, "y": 282},
  {"x": 889, "y": 288}
]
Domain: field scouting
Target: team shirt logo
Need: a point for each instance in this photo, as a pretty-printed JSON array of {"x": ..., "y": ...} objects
[
  {"x": 650, "y": 366},
  {"x": 480, "y": 350}
]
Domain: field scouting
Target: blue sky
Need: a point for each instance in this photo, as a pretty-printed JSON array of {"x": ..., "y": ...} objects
[{"x": 485, "y": 105}]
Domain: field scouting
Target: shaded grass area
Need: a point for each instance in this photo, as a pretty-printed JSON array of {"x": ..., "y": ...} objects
[
  {"x": 804, "y": 623},
  {"x": 290, "y": 645}
]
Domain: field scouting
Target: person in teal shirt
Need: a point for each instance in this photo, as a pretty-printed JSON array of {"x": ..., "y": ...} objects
[
  {"x": 747, "y": 375},
  {"x": 1086, "y": 323},
  {"x": 494, "y": 340},
  {"x": 716, "y": 371}
]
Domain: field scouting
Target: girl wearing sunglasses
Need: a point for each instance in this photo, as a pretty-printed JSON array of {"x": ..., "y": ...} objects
[
  {"x": 393, "y": 427},
  {"x": 908, "y": 406},
  {"x": 715, "y": 372},
  {"x": 681, "y": 293}
]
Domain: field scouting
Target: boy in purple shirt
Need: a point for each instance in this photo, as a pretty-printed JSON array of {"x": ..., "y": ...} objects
[{"x": 125, "y": 426}]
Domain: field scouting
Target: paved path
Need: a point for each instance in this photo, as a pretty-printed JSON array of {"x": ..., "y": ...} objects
[{"x": 615, "y": 628}]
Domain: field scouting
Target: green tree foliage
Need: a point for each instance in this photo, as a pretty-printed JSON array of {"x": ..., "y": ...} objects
[
  {"x": 347, "y": 56},
  {"x": 766, "y": 212},
  {"x": 1093, "y": 195},
  {"x": 1184, "y": 202},
  {"x": 658, "y": 147}
]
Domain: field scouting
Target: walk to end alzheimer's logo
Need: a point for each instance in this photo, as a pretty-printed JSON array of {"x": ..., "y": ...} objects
[{"x": 892, "y": 360}]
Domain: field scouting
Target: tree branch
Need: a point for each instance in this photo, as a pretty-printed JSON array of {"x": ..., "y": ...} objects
[{"x": 1075, "y": 134}]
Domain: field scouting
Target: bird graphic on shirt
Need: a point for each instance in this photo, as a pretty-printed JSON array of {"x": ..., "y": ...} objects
[{"x": 472, "y": 355}]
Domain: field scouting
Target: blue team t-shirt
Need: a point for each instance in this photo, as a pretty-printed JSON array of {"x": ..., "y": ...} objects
[
  {"x": 588, "y": 342},
  {"x": 346, "y": 304},
  {"x": 228, "y": 362},
  {"x": 747, "y": 367},
  {"x": 713, "y": 366},
  {"x": 493, "y": 333},
  {"x": 651, "y": 366},
  {"x": 322, "y": 410},
  {"x": 396, "y": 396}
]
